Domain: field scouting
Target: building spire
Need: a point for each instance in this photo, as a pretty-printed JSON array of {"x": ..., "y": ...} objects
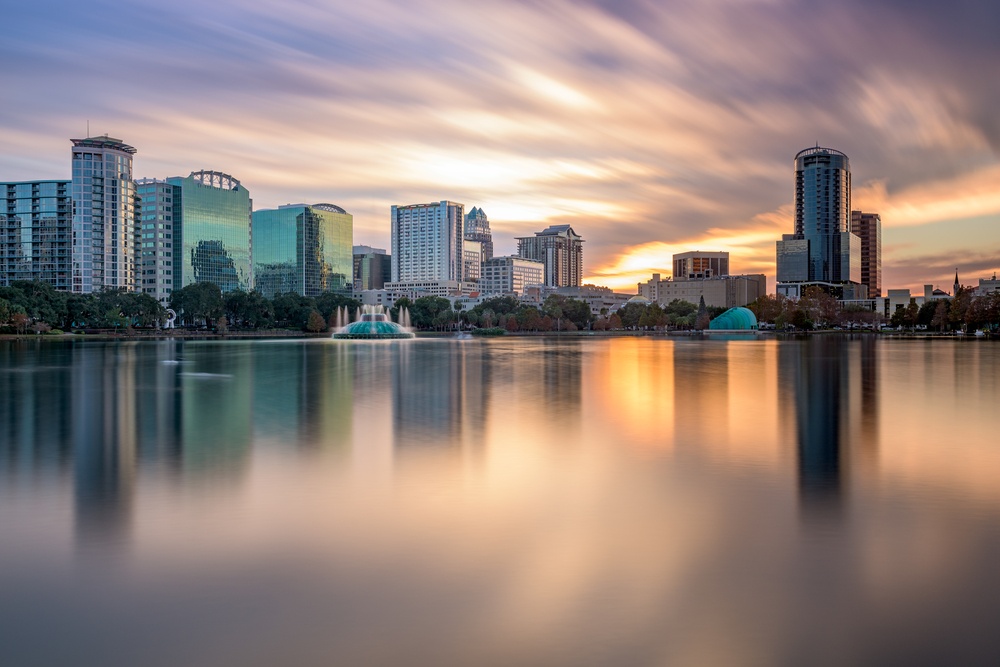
[{"x": 957, "y": 285}]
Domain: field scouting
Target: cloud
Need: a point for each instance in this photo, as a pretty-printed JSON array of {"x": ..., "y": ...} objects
[{"x": 648, "y": 126}]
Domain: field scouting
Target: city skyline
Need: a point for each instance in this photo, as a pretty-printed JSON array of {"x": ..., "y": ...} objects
[{"x": 650, "y": 130}]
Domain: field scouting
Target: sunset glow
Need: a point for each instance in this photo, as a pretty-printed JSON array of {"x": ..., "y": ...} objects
[{"x": 652, "y": 128}]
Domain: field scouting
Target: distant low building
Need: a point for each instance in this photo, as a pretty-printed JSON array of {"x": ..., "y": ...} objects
[
  {"x": 510, "y": 275},
  {"x": 720, "y": 291}
]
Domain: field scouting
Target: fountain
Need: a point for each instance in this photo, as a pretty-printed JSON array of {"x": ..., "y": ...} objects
[{"x": 372, "y": 323}]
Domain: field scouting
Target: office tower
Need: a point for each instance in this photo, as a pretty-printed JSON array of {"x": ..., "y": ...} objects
[
  {"x": 821, "y": 248},
  {"x": 868, "y": 227},
  {"x": 472, "y": 261},
  {"x": 36, "y": 226},
  {"x": 477, "y": 228},
  {"x": 372, "y": 268},
  {"x": 104, "y": 224},
  {"x": 510, "y": 275},
  {"x": 159, "y": 217},
  {"x": 427, "y": 243},
  {"x": 560, "y": 249},
  {"x": 303, "y": 249},
  {"x": 697, "y": 264},
  {"x": 213, "y": 242}
]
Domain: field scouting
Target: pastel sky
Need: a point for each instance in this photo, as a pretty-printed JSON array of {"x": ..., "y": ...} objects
[{"x": 652, "y": 127}]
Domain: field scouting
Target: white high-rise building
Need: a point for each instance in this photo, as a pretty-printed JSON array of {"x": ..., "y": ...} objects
[
  {"x": 104, "y": 220},
  {"x": 427, "y": 243}
]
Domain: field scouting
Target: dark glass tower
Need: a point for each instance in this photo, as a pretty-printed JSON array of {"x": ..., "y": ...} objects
[
  {"x": 822, "y": 248},
  {"x": 823, "y": 208}
]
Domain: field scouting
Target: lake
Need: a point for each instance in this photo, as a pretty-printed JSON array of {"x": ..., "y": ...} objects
[{"x": 517, "y": 501}]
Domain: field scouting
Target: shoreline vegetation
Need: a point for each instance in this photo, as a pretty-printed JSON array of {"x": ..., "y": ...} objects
[
  {"x": 137, "y": 335},
  {"x": 31, "y": 308}
]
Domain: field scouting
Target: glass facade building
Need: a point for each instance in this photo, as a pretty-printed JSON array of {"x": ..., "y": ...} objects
[
  {"x": 372, "y": 268},
  {"x": 823, "y": 210},
  {"x": 159, "y": 219},
  {"x": 104, "y": 221},
  {"x": 213, "y": 243},
  {"x": 303, "y": 249},
  {"x": 36, "y": 224}
]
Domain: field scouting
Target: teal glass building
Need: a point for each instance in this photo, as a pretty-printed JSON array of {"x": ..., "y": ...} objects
[
  {"x": 303, "y": 249},
  {"x": 213, "y": 241}
]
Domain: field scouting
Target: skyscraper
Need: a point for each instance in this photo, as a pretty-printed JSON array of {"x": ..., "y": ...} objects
[
  {"x": 159, "y": 218},
  {"x": 303, "y": 249},
  {"x": 36, "y": 221},
  {"x": 560, "y": 249},
  {"x": 868, "y": 227},
  {"x": 427, "y": 243},
  {"x": 213, "y": 242},
  {"x": 822, "y": 248},
  {"x": 477, "y": 228},
  {"x": 104, "y": 222}
]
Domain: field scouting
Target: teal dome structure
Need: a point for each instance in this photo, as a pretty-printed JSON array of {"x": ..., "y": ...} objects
[
  {"x": 735, "y": 319},
  {"x": 373, "y": 324}
]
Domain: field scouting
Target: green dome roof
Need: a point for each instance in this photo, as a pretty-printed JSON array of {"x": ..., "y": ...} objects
[{"x": 735, "y": 318}]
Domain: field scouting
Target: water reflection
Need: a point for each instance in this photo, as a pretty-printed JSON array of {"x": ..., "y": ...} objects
[
  {"x": 527, "y": 501},
  {"x": 832, "y": 384}
]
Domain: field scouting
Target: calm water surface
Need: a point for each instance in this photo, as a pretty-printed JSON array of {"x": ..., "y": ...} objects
[{"x": 629, "y": 501}]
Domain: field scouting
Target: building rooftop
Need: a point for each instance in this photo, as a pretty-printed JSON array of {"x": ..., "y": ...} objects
[{"x": 104, "y": 142}]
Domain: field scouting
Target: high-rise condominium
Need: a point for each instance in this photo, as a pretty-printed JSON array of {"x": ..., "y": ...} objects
[
  {"x": 427, "y": 243},
  {"x": 104, "y": 221},
  {"x": 307, "y": 249},
  {"x": 868, "y": 227},
  {"x": 560, "y": 249},
  {"x": 822, "y": 248},
  {"x": 36, "y": 220},
  {"x": 213, "y": 242},
  {"x": 477, "y": 228}
]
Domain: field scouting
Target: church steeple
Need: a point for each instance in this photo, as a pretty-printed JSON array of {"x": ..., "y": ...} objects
[{"x": 957, "y": 284}]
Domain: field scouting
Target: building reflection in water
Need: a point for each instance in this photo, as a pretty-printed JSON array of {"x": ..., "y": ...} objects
[
  {"x": 440, "y": 393},
  {"x": 832, "y": 383},
  {"x": 303, "y": 395}
]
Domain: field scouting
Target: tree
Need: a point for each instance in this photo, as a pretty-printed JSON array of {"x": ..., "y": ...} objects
[
  {"x": 703, "y": 319},
  {"x": 328, "y": 302},
  {"x": 291, "y": 310},
  {"x": 615, "y": 321},
  {"x": 198, "y": 302},
  {"x": 427, "y": 309},
  {"x": 251, "y": 310},
  {"x": 316, "y": 322}
]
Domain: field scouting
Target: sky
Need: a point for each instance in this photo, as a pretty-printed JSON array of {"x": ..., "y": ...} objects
[{"x": 652, "y": 127}]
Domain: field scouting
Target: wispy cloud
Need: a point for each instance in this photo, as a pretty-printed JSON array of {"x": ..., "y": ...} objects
[{"x": 651, "y": 127}]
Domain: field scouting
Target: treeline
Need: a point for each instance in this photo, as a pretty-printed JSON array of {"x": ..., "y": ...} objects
[
  {"x": 556, "y": 313},
  {"x": 964, "y": 311},
  {"x": 815, "y": 309},
  {"x": 818, "y": 310},
  {"x": 38, "y": 307}
]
